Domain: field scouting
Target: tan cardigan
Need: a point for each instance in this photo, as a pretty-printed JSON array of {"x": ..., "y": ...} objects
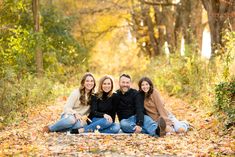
[
  {"x": 73, "y": 105},
  {"x": 154, "y": 107}
]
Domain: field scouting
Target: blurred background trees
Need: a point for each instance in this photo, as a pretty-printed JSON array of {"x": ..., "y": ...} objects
[{"x": 186, "y": 46}]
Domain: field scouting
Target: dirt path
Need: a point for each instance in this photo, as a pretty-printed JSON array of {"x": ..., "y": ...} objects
[{"x": 205, "y": 139}]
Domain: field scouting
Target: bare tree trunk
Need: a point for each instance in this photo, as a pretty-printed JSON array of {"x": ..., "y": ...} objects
[
  {"x": 160, "y": 24},
  {"x": 170, "y": 26},
  {"x": 147, "y": 19},
  {"x": 189, "y": 24},
  {"x": 181, "y": 23},
  {"x": 218, "y": 13},
  {"x": 135, "y": 24},
  {"x": 196, "y": 22},
  {"x": 39, "y": 56},
  {"x": 164, "y": 18},
  {"x": 232, "y": 16}
]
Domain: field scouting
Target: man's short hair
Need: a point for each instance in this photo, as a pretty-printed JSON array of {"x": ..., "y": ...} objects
[{"x": 125, "y": 75}]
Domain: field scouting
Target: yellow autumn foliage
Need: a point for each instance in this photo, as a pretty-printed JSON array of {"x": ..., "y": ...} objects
[
  {"x": 232, "y": 68},
  {"x": 118, "y": 54}
]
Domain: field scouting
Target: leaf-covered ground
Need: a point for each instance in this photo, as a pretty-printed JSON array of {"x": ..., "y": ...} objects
[{"x": 206, "y": 138}]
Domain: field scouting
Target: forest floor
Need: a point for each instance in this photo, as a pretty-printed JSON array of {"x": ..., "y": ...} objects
[{"x": 205, "y": 138}]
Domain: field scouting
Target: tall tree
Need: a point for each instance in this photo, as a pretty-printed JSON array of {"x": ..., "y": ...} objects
[
  {"x": 154, "y": 30},
  {"x": 164, "y": 18},
  {"x": 145, "y": 9},
  {"x": 220, "y": 15},
  {"x": 160, "y": 24},
  {"x": 39, "y": 55},
  {"x": 189, "y": 23},
  {"x": 139, "y": 27}
]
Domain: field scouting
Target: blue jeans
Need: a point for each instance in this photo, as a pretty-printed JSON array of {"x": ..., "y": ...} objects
[
  {"x": 149, "y": 125},
  {"x": 66, "y": 122},
  {"x": 178, "y": 124},
  {"x": 102, "y": 125}
]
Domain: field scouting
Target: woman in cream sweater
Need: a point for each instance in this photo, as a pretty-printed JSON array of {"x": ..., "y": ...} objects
[
  {"x": 154, "y": 107},
  {"x": 103, "y": 109},
  {"x": 76, "y": 108}
]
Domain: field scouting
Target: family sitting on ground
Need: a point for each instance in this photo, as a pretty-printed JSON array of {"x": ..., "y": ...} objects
[{"x": 140, "y": 111}]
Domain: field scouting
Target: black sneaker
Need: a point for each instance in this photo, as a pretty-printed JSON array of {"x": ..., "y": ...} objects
[
  {"x": 74, "y": 131},
  {"x": 161, "y": 129}
]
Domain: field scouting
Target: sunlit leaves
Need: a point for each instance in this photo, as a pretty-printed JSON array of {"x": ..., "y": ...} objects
[
  {"x": 18, "y": 41},
  {"x": 205, "y": 138},
  {"x": 117, "y": 55}
]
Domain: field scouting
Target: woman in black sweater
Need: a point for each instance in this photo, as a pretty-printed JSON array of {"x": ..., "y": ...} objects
[{"x": 103, "y": 109}]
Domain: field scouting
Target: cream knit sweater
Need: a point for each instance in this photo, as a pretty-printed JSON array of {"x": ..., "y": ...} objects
[{"x": 73, "y": 105}]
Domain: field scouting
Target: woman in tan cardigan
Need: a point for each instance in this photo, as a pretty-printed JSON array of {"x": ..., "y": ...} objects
[
  {"x": 76, "y": 108},
  {"x": 154, "y": 107}
]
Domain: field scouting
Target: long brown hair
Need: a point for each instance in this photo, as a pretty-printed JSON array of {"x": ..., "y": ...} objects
[
  {"x": 147, "y": 95},
  {"x": 82, "y": 98},
  {"x": 100, "y": 90}
]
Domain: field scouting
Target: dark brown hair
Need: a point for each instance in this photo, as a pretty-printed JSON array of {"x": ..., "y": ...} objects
[
  {"x": 147, "y": 95},
  {"x": 82, "y": 98},
  {"x": 125, "y": 75}
]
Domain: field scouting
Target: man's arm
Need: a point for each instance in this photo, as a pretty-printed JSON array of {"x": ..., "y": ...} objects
[{"x": 139, "y": 106}]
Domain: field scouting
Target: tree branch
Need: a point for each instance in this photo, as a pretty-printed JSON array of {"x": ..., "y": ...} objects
[
  {"x": 111, "y": 28},
  {"x": 106, "y": 9},
  {"x": 158, "y": 3}
]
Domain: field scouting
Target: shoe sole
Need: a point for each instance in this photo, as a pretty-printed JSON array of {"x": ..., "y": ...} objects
[{"x": 162, "y": 126}]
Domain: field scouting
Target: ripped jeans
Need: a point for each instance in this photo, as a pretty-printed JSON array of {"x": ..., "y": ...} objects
[
  {"x": 66, "y": 122},
  {"x": 104, "y": 126},
  {"x": 178, "y": 124}
]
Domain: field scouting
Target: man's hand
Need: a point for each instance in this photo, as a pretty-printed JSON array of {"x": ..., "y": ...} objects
[
  {"x": 108, "y": 117},
  {"x": 138, "y": 129}
]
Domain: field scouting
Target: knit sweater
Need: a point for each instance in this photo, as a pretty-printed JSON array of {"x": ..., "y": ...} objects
[
  {"x": 130, "y": 104},
  {"x": 104, "y": 105},
  {"x": 154, "y": 107},
  {"x": 73, "y": 105}
]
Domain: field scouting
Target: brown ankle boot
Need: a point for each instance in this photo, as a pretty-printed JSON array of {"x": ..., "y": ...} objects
[
  {"x": 161, "y": 129},
  {"x": 46, "y": 129}
]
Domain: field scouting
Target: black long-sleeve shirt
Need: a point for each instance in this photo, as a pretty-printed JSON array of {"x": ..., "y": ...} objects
[
  {"x": 130, "y": 104},
  {"x": 104, "y": 105}
]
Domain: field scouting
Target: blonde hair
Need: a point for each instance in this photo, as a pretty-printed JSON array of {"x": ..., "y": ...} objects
[
  {"x": 100, "y": 91},
  {"x": 82, "y": 98}
]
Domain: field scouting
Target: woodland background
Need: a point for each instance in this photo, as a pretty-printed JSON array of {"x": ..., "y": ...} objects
[{"x": 186, "y": 46}]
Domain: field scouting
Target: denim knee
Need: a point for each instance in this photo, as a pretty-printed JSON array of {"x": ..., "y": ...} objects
[
  {"x": 125, "y": 125},
  {"x": 148, "y": 119},
  {"x": 106, "y": 122},
  {"x": 116, "y": 128},
  {"x": 71, "y": 120}
]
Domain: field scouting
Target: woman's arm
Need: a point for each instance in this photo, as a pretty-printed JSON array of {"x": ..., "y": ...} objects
[
  {"x": 159, "y": 104},
  {"x": 73, "y": 97},
  {"x": 139, "y": 105},
  {"x": 115, "y": 102}
]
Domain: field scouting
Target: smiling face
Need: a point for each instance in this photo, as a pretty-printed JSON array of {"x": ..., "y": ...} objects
[
  {"x": 107, "y": 85},
  {"x": 145, "y": 86},
  {"x": 125, "y": 84},
  {"x": 89, "y": 83}
]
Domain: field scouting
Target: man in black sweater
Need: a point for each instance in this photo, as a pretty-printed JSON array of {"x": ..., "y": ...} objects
[{"x": 130, "y": 111}]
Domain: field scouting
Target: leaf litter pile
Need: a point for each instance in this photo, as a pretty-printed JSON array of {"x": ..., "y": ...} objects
[{"x": 205, "y": 138}]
